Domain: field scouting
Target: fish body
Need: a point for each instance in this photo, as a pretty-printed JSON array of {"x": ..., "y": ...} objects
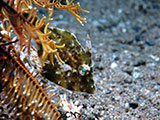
[{"x": 76, "y": 73}]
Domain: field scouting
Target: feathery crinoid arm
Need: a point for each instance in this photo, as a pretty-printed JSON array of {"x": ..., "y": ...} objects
[
  {"x": 21, "y": 95},
  {"x": 74, "y": 9},
  {"x": 21, "y": 91},
  {"x": 30, "y": 28},
  {"x": 26, "y": 29}
]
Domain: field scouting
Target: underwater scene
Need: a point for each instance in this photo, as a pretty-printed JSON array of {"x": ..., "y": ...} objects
[{"x": 79, "y": 60}]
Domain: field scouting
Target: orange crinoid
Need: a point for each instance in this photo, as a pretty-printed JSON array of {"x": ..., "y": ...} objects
[
  {"x": 30, "y": 28},
  {"x": 20, "y": 92}
]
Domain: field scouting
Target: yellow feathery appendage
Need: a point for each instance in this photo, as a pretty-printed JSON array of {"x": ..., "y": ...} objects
[
  {"x": 12, "y": 13},
  {"x": 21, "y": 92},
  {"x": 74, "y": 9},
  {"x": 26, "y": 30}
]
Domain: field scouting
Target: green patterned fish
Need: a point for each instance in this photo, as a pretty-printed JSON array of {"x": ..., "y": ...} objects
[{"x": 76, "y": 73}]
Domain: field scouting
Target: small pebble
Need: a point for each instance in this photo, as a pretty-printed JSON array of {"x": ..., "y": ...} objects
[
  {"x": 113, "y": 65},
  {"x": 133, "y": 105}
]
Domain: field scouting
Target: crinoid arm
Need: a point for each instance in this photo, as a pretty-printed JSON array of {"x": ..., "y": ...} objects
[
  {"x": 72, "y": 8},
  {"x": 21, "y": 92},
  {"x": 30, "y": 28}
]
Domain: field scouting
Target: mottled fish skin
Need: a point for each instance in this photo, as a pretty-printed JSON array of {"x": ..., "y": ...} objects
[{"x": 76, "y": 73}]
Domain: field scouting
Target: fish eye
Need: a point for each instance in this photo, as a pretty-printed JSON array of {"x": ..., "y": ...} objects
[{"x": 84, "y": 69}]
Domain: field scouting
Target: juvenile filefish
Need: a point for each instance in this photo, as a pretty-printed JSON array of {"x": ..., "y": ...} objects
[{"x": 76, "y": 73}]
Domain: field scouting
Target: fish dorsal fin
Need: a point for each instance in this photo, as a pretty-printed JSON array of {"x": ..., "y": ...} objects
[{"x": 88, "y": 45}]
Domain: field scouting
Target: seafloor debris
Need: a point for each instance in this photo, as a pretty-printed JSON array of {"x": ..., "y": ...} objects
[{"x": 72, "y": 109}]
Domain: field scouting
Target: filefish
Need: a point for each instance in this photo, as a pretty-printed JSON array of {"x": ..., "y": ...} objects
[{"x": 76, "y": 73}]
